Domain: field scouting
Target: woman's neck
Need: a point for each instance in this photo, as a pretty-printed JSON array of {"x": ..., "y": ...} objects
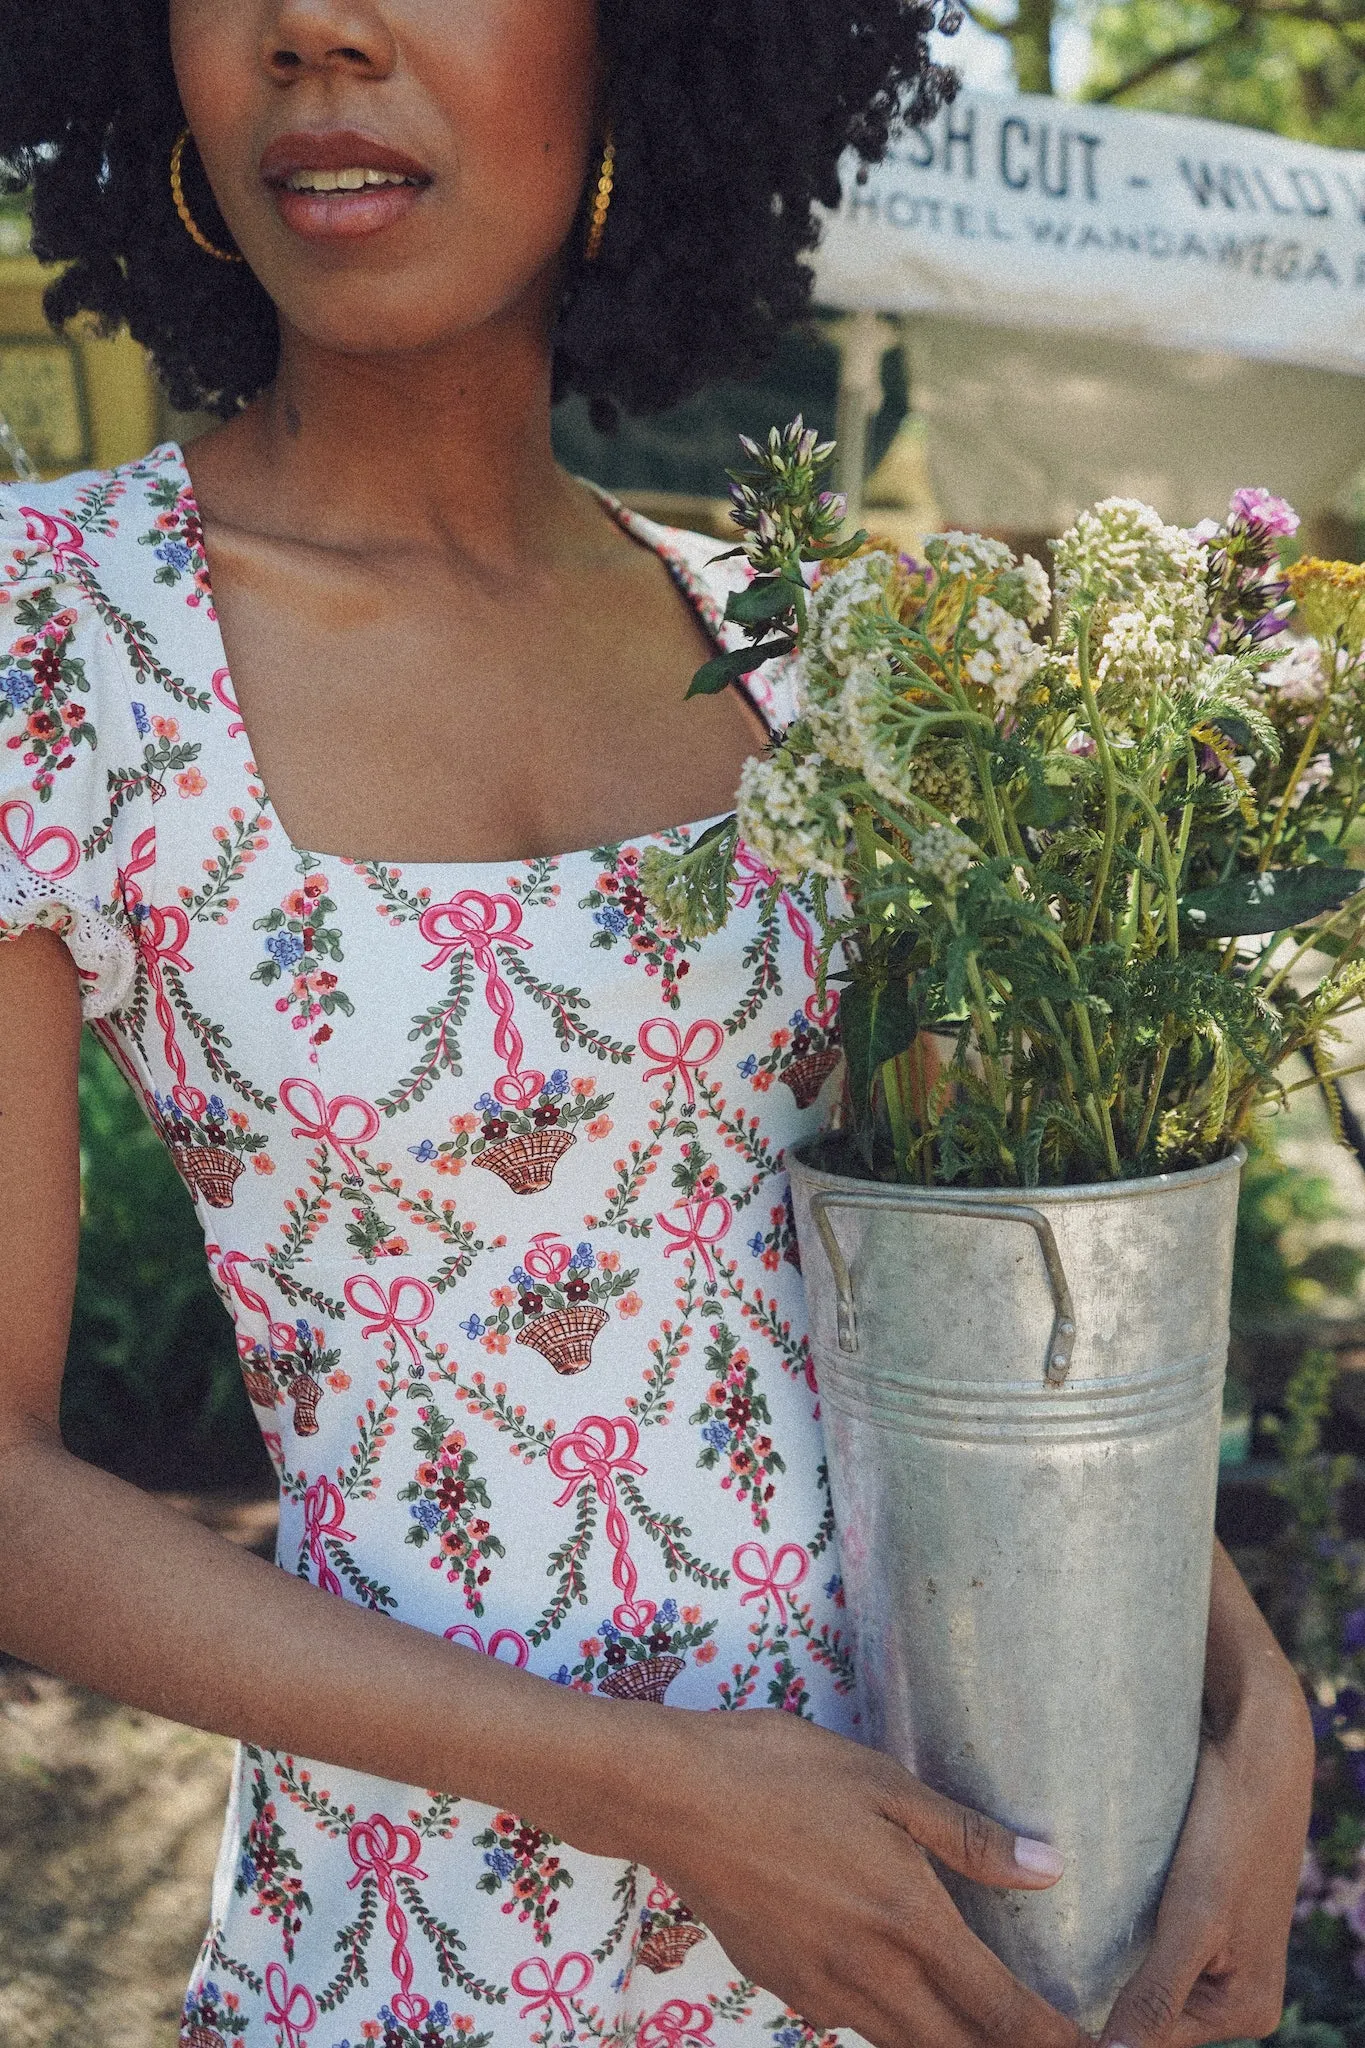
[{"x": 450, "y": 447}]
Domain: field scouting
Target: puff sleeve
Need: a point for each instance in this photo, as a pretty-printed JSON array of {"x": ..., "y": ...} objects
[{"x": 64, "y": 707}]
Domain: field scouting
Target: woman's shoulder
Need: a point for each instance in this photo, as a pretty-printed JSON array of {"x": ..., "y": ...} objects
[
  {"x": 709, "y": 571},
  {"x": 98, "y": 529}
]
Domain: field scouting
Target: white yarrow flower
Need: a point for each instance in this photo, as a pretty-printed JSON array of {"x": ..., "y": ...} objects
[{"x": 790, "y": 820}]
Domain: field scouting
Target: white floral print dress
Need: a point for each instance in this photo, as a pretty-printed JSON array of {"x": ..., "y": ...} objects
[{"x": 490, "y": 1173}]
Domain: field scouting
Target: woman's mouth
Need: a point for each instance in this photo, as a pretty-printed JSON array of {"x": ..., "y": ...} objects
[{"x": 340, "y": 186}]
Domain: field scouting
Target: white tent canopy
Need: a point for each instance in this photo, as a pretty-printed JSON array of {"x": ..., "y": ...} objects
[{"x": 1097, "y": 300}]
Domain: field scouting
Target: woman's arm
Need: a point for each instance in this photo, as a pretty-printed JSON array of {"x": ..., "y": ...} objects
[
  {"x": 803, "y": 1852},
  {"x": 1216, "y": 1969}
]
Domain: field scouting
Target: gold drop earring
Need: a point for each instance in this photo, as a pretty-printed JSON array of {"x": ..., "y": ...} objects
[
  {"x": 601, "y": 203},
  {"x": 187, "y": 219}
]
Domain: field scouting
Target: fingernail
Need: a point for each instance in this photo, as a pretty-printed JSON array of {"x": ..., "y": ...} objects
[{"x": 1039, "y": 1858}]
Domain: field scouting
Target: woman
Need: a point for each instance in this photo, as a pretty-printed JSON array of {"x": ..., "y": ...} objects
[{"x": 488, "y": 1164}]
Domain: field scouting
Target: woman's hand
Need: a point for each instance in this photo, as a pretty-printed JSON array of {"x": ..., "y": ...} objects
[
  {"x": 1216, "y": 1967},
  {"x": 808, "y": 1858}
]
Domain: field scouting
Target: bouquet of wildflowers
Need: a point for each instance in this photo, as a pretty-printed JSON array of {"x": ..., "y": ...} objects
[{"x": 1080, "y": 849}]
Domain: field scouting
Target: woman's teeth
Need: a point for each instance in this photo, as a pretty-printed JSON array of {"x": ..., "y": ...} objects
[{"x": 344, "y": 181}]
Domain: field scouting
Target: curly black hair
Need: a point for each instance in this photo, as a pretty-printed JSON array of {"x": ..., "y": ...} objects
[{"x": 730, "y": 117}]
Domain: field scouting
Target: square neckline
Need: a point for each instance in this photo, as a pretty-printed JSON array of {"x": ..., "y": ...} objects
[{"x": 633, "y": 524}]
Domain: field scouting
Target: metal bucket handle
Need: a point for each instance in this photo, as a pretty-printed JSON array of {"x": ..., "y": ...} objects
[{"x": 1062, "y": 1341}]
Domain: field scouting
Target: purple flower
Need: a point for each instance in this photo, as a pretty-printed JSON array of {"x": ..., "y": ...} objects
[{"x": 1253, "y": 505}]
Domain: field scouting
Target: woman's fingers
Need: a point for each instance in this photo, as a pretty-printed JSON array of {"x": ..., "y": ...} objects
[{"x": 969, "y": 1842}]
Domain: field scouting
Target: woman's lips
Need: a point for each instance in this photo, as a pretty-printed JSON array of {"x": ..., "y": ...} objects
[
  {"x": 293, "y": 160},
  {"x": 343, "y": 216}
]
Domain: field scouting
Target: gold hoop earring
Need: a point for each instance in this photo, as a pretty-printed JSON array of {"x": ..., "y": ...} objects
[
  {"x": 601, "y": 204},
  {"x": 187, "y": 219}
]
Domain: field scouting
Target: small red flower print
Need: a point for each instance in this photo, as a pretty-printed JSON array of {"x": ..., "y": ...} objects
[
  {"x": 464, "y": 1126},
  {"x": 73, "y": 714},
  {"x": 263, "y": 1163},
  {"x": 600, "y": 1127},
  {"x": 166, "y": 728},
  {"x": 705, "y": 1653},
  {"x": 630, "y": 1304},
  {"x": 338, "y": 1381},
  {"x": 190, "y": 782},
  {"x": 42, "y": 725},
  {"x": 610, "y": 1262}
]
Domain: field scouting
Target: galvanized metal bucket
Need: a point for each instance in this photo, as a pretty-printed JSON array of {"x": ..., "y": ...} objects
[{"x": 1021, "y": 1396}]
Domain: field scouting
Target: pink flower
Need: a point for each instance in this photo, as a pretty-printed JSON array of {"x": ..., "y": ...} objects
[
  {"x": 263, "y": 1162},
  {"x": 584, "y": 1085},
  {"x": 503, "y": 1297},
  {"x": 496, "y": 1342},
  {"x": 600, "y": 1127},
  {"x": 464, "y": 1125},
  {"x": 338, "y": 1381},
  {"x": 166, "y": 728},
  {"x": 190, "y": 782},
  {"x": 630, "y": 1304},
  {"x": 610, "y": 1262},
  {"x": 1254, "y": 505},
  {"x": 706, "y": 1653}
]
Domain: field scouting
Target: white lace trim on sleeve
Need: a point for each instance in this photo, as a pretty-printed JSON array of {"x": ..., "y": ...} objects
[{"x": 105, "y": 956}]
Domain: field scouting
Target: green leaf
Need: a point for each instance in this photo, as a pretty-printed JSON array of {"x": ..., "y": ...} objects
[
  {"x": 877, "y": 1024},
  {"x": 718, "y": 675},
  {"x": 1043, "y": 805},
  {"x": 765, "y": 599},
  {"x": 1281, "y": 899}
]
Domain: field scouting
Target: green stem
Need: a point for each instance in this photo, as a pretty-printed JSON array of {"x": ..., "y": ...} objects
[
  {"x": 1092, "y": 1067},
  {"x": 1163, "y": 1060},
  {"x": 1108, "y": 777},
  {"x": 1305, "y": 756}
]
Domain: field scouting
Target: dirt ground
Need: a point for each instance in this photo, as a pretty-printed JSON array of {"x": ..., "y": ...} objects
[{"x": 109, "y": 1826}]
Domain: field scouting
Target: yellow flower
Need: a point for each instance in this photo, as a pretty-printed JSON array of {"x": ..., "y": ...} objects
[{"x": 1331, "y": 599}]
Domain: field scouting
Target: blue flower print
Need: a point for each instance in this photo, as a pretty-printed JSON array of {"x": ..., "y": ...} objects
[
  {"x": 584, "y": 1259},
  {"x": 218, "y": 1111},
  {"x": 286, "y": 948},
  {"x": 748, "y": 1067},
  {"x": 834, "y": 1587},
  {"x": 141, "y": 720},
  {"x": 428, "y": 1514},
  {"x": 175, "y": 555},
  {"x": 562, "y": 1676},
  {"x": 440, "y": 2013},
  {"x": 611, "y": 920},
  {"x": 487, "y": 1105},
  {"x": 501, "y": 1862},
  {"x": 473, "y": 1328},
  {"x": 423, "y": 1152},
  {"x": 756, "y": 1244},
  {"x": 17, "y": 687},
  {"x": 246, "y": 1874},
  {"x": 668, "y": 1614},
  {"x": 557, "y": 1084},
  {"x": 717, "y": 1434}
]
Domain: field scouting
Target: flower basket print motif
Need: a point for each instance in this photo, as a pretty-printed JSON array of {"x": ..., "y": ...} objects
[
  {"x": 640, "y": 1667},
  {"x": 802, "y": 1056},
  {"x": 522, "y": 1146},
  {"x": 553, "y": 1303},
  {"x": 212, "y": 2018},
  {"x": 668, "y": 1931},
  {"x": 736, "y": 1426},
  {"x": 208, "y": 1142}
]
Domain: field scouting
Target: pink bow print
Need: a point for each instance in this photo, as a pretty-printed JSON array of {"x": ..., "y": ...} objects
[
  {"x": 546, "y": 1992},
  {"x": 66, "y": 541},
  {"x": 591, "y": 1454},
  {"x": 283, "y": 1336},
  {"x": 294, "y": 2012},
  {"x": 709, "y": 1216},
  {"x": 821, "y": 1010},
  {"x": 548, "y": 1258},
  {"x": 222, "y": 690},
  {"x": 482, "y": 922},
  {"x": 661, "y": 1040},
  {"x": 17, "y": 816},
  {"x": 324, "y": 1516},
  {"x": 375, "y": 1845},
  {"x": 386, "y": 1311},
  {"x": 675, "y": 2025},
  {"x": 320, "y": 1119},
  {"x": 472, "y": 1640},
  {"x": 162, "y": 935},
  {"x": 771, "y": 1580}
]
